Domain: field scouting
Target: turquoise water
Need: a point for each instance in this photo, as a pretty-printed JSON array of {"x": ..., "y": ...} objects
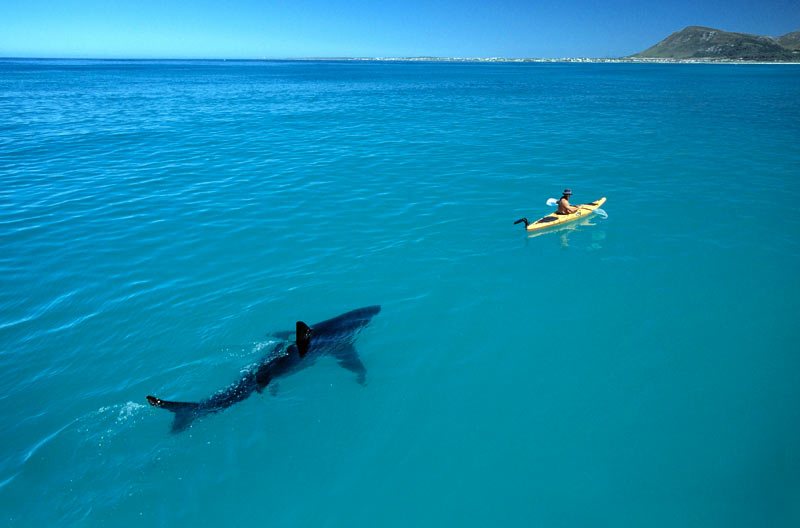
[{"x": 159, "y": 219}]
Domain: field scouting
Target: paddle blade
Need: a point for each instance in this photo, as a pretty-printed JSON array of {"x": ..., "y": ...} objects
[
  {"x": 602, "y": 213},
  {"x": 552, "y": 202}
]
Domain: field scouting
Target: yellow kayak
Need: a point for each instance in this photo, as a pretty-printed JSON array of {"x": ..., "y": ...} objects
[{"x": 556, "y": 219}]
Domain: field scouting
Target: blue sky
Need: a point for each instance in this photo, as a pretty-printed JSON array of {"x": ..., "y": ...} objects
[{"x": 374, "y": 28}]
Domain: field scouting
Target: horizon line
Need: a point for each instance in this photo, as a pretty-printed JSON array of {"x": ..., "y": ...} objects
[
  {"x": 313, "y": 58},
  {"x": 629, "y": 59}
]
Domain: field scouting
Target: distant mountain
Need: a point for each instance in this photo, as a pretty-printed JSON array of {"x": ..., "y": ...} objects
[
  {"x": 790, "y": 41},
  {"x": 697, "y": 42}
]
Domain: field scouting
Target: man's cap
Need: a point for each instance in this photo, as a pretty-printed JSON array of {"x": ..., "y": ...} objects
[{"x": 567, "y": 191}]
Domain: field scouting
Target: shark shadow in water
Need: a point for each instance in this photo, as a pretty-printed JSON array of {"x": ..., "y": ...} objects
[{"x": 333, "y": 337}]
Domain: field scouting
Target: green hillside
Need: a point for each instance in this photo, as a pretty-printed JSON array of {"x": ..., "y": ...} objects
[
  {"x": 697, "y": 42},
  {"x": 790, "y": 41}
]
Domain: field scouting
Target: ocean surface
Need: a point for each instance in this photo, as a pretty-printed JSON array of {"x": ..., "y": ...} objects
[{"x": 159, "y": 220}]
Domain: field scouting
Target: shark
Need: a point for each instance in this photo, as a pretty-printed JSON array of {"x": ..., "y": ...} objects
[{"x": 334, "y": 338}]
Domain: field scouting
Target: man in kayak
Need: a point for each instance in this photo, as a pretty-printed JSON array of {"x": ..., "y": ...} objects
[{"x": 563, "y": 204}]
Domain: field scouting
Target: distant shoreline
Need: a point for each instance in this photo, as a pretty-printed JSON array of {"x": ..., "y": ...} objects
[
  {"x": 500, "y": 60},
  {"x": 587, "y": 60}
]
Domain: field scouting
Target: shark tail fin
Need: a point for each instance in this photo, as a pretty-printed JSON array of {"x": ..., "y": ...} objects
[
  {"x": 185, "y": 412},
  {"x": 303, "y": 336}
]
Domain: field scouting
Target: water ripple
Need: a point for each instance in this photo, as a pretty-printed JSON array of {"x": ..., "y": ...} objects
[{"x": 154, "y": 214}]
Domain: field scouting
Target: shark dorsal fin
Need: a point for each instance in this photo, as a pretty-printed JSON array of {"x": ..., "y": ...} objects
[{"x": 303, "y": 332}]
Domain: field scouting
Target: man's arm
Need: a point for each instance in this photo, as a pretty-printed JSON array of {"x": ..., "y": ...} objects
[{"x": 570, "y": 208}]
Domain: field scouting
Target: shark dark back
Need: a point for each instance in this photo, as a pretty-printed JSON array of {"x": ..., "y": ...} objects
[
  {"x": 334, "y": 337},
  {"x": 341, "y": 329}
]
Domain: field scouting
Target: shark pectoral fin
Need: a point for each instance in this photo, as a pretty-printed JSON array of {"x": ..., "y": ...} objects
[
  {"x": 348, "y": 359},
  {"x": 303, "y": 335},
  {"x": 185, "y": 412}
]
